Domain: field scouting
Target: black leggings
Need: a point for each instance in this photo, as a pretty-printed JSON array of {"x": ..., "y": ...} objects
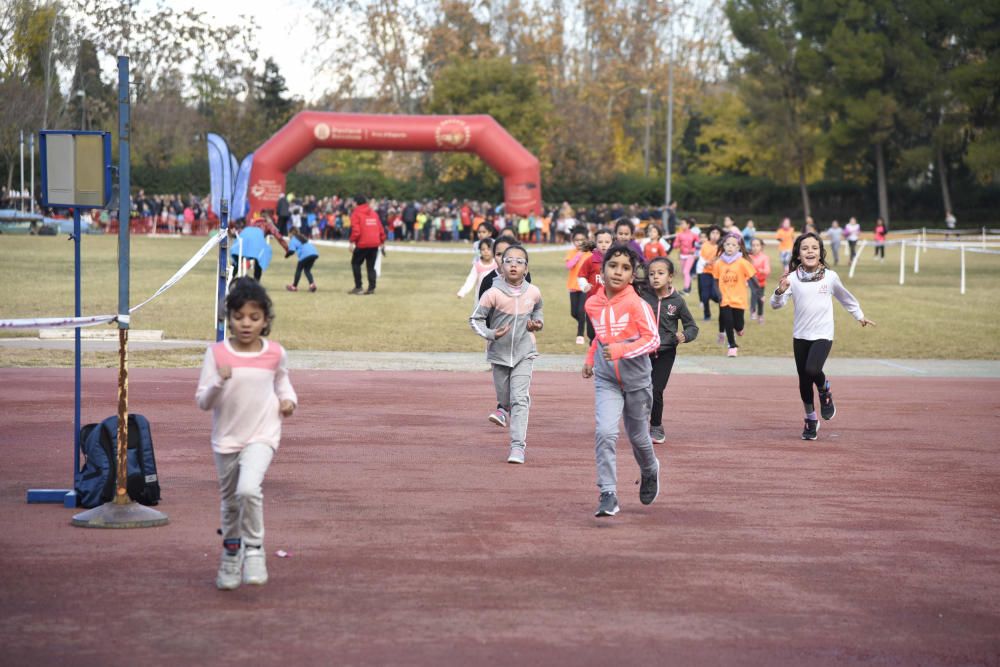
[
  {"x": 880, "y": 251},
  {"x": 305, "y": 266},
  {"x": 732, "y": 321},
  {"x": 663, "y": 362},
  {"x": 810, "y": 355},
  {"x": 576, "y": 310}
]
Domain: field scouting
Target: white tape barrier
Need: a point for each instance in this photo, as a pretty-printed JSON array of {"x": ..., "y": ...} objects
[
  {"x": 463, "y": 249},
  {"x": 93, "y": 320}
]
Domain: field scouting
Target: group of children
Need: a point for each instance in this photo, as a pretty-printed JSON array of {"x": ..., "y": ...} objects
[{"x": 244, "y": 380}]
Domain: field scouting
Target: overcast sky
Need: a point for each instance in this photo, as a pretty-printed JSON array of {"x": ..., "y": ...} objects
[{"x": 284, "y": 32}]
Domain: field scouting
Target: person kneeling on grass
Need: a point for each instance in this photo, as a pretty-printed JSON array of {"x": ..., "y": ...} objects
[{"x": 618, "y": 360}]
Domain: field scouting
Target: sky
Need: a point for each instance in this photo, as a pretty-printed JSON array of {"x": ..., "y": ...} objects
[{"x": 284, "y": 33}]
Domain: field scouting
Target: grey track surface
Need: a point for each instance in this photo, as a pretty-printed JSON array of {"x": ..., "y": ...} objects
[{"x": 474, "y": 361}]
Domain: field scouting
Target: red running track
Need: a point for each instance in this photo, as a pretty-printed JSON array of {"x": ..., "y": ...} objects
[{"x": 413, "y": 543}]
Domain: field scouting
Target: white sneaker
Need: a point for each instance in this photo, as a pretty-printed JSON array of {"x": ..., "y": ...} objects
[
  {"x": 580, "y": 340},
  {"x": 230, "y": 566},
  {"x": 254, "y": 566},
  {"x": 516, "y": 455}
]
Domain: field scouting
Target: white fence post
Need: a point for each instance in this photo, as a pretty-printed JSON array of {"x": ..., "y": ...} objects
[
  {"x": 857, "y": 256},
  {"x": 962, "y": 289},
  {"x": 984, "y": 238},
  {"x": 902, "y": 262},
  {"x": 923, "y": 236},
  {"x": 916, "y": 258}
]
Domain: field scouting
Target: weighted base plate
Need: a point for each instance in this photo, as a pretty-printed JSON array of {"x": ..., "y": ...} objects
[{"x": 111, "y": 515}]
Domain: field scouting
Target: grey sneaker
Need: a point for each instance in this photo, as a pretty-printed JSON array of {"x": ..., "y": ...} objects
[
  {"x": 254, "y": 566},
  {"x": 356, "y": 290},
  {"x": 516, "y": 455},
  {"x": 608, "y": 504},
  {"x": 657, "y": 435},
  {"x": 230, "y": 567},
  {"x": 649, "y": 487},
  {"x": 811, "y": 429},
  {"x": 498, "y": 417}
]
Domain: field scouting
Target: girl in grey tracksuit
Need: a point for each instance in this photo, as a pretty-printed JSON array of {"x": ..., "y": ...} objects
[{"x": 514, "y": 309}]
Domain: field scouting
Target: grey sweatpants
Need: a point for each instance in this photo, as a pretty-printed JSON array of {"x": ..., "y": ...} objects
[
  {"x": 512, "y": 386},
  {"x": 611, "y": 404},
  {"x": 240, "y": 477}
]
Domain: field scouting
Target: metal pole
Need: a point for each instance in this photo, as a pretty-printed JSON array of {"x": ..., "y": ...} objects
[
  {"x": 76, "y": 342},
  {"x": 962, "y": 253},
  {"x": 124, "y": 220},
  {"x": 902, "y": 262},
  {"x": 220, "y": 311},
  {"x": 645, "y": 148},
  {"x": 31, "y": 195},
  {"x": 20, "y": 193},
  {"x": 670, "y": 123}
]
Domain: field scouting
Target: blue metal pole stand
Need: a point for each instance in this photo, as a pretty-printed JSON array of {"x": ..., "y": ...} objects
[{"x": 68, "y": 496}]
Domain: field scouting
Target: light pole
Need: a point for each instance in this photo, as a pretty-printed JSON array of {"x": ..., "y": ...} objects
[
  {"x": 645, "y": 146},
  {"x": 82, "y": 94},
  {"x": 670, "y": 121}
]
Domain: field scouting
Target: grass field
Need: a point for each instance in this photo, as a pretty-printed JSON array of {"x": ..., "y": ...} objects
[{"x": 415, "y": 308}]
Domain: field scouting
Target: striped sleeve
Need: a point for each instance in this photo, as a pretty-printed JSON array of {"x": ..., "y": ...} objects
[{"x": 649, "y": 333}]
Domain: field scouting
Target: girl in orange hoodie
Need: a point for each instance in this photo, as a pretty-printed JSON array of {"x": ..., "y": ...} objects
[{"x": 618, "y": 360}]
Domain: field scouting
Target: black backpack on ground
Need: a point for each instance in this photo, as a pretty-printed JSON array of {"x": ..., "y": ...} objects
[{"x": 95, "y": 483}]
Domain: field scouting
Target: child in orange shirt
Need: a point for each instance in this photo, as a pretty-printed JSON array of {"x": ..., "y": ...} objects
[
  {"x": 786, "y": 237},
  {"x": 731, "y": 271},
  {"x": 575, "y": 260},
  {"x": 707, "y": 292},
  {"x": 653, "y": 246}
]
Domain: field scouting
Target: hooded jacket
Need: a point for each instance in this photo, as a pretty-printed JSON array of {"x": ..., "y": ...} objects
[
  {"x": 505, "y": 304},
  {"x": 667, "y": 311},
  {"x": 625, "y": 324},
  {"x": 366, "y": 228}
]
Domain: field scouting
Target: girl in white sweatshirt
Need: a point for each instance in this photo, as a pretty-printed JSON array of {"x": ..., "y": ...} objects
[{"x": 813, "y": 286}]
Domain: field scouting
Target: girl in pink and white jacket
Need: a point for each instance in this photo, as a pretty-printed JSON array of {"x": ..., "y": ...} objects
[{"x": 244, "y": 382}]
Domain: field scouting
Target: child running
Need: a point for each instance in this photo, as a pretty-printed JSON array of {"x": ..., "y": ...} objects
[
  {"x": 762, "y": 265},
  {"x": 307, "y": 255},
  {"x": 618, "y": 360},
  {"x": 653, "y": 246},
  {"x": 685, "y": 241},
  {"x": 731, "y": 272},
  {"x": 482, "y": 266},
  {"x": 708, "y": 255},
  {"x": 576, "y": 258},
  {"x": 514, "y": 308},
  {"x": 244, "y": 382},
  {"x": 669, "y": 307},
  {"x": 812, "y": 286}
]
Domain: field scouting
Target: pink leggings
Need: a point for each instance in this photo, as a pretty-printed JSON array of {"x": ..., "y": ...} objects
[{"x": 687, "y": 261}]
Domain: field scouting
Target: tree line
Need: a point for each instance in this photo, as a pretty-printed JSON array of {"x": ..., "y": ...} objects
[{"x": 846, "y": 102}]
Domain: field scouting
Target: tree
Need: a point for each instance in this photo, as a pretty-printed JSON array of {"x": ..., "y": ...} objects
[
  {"x": 780, "y": 97},
  {"x": 497, "y": 87},
  {"x": 269, "y": 95},
  {"x": 873, "y": 67},
  {"x": 90, "y": 98}
]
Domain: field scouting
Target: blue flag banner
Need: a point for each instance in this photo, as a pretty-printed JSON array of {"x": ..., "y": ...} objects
[
  {"x": 220, "y": 172},
  {"x": 234, "y": 167},
  {"x": 241, "y": 205}
]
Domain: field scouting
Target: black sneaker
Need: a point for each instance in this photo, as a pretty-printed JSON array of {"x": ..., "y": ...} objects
[
  {"x": 649, "y": 487},
  {"x": 810, "y": 430},
  {"x": 608, "y": 505},
  {"x": 369, "y": 291},
  {"x": 826, "y": 407}
]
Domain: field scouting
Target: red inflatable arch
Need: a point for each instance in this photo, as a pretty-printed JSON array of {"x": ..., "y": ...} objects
[{"x": 481, "y": 135}]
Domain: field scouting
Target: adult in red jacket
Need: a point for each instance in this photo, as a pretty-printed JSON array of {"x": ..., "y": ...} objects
[{"x": 367, "y": 236}]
